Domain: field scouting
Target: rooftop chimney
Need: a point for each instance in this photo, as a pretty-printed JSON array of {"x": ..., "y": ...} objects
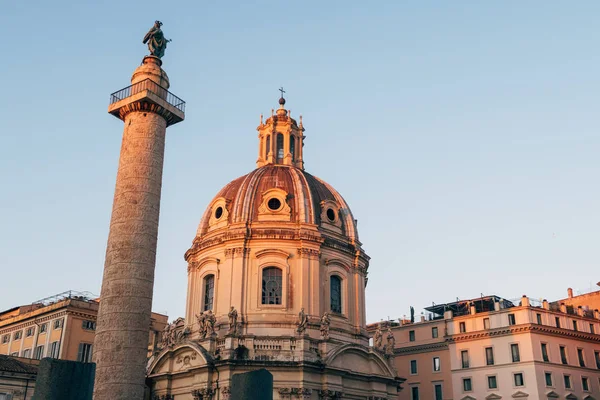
[{"x": 570, "y": 292}]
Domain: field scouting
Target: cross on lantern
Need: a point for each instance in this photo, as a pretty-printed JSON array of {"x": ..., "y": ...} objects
[{"x": 282, "y": 91}]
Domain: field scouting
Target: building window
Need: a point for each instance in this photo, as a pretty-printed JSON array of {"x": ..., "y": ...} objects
[
  {"x": 486, "y": 323},
  {"x": 293, "y": 147},
  {"x": 557, "y": 320},
  {"x": 39, "y": 352},
  {"x": 563, "y": 355},
  {"x": 43, "y": 328},
  {"x": 592, "y": 330},
  {"x": 88, "y": 325},
  {"x": 54, "y": 347},
  {"x": 437, "y": 389},
  {"x": 57, "y": 324},
  {"x": 545, "y": 353},
  {"x": 464, "y": 357},
  {"x": 414, "y": 393},
  {"x": 467, "y": 386},
  {"x": 271, "y": 286},
  {"x": 29, "y": 332},
  {"x": 411, "y": 336},
  {"x": 580, "y": 357},
  {"x": 209, "y": 292},
  {"x": 437, "y": 366},
  {"x": 489, "y": 356},
  {"x": 434, "y": 332},
  {"x": 567, "y": 379},
  {"x": 548, "y": 376},
  {"x": 268, "y": 147},
  {"x": 492, "y": 382},
  {"x": 5, "y": 339},
  {"x": 519, "y": 379},
  {"x": 575, "y": 325},
  {"x": 18, "y": 335},
  {"x": 413, "y": 367},
  {"x": 85, "y": 352},
  {"x": 585, "y": 383},
  {"x": 279, "y": 147},
  {"x": 27, "y": 353},
  {"x": 597, "y": 357},
  {"x": 539, "y": 318},
  {"x": 15, "y": 354},
  {"x": 514, "y": 351},
  {"x": 335, "y": 288},
  {"x": 511, "y": 319},
  {"x": 462, "y": 327}
]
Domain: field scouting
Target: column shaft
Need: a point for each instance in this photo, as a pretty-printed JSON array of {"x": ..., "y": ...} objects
[{"x": 121, "y": 343}]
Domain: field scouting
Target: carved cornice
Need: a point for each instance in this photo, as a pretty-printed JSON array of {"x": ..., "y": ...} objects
[
  {"x": 144, "y": 105},
  {"x": 34, "y": 320},
  {"x": 201, "y": 243},
  {"x": 525, "y": 328},
  {"x": 330, "y": 394},
  {"x": 203, "y": 394},
  {"x": 422, "y": 348},
  {"x": 566, "y": 332},
  {"x": 236, "y": 252},
  {"x": 310, "y": 253},
  {"x": 295, "y": 393}
]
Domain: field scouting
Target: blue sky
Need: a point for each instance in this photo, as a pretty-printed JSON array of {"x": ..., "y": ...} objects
[{"x": 464, "y": 136}]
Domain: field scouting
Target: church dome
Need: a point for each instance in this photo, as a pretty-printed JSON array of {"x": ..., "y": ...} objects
[{"x": 279, "y": 195}]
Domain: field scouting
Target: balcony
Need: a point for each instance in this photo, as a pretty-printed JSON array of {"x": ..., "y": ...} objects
[{"x": 147, "y": 95}]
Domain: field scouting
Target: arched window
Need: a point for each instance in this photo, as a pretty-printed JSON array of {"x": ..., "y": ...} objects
[
  {"x": 293, "y": 147},
  {"x": 271, "y": 285},
  {"x": 280, "y": 146},
  {"x": 209, "y": 292},
  {"x": 268, "y": 148},
  {"x": 335, "y": 289}
]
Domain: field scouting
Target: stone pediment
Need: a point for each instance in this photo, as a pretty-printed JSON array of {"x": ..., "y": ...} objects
[
  {"x": 178, "y": 359},
  {"x": 493, "y": 396},
  {"x": 520, "y": 395},
  {"x": 571, "y": 396},
  {"x": 468, "y": 398},
  {"x": 552, "y": 395},
  {"x": 588, "y": 397},
  {"x": 358, "y": 359}
]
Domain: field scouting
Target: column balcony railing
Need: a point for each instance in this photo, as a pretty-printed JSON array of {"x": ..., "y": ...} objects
[{"x": 151, "y": 86}]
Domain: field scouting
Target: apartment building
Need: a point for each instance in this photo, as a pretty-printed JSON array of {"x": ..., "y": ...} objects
[
  {"x": 62, "y": 326},
  {"x": 492, "y": 348}
]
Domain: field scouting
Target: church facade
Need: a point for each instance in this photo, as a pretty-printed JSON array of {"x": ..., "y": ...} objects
[{"x": 276, "y": 280}]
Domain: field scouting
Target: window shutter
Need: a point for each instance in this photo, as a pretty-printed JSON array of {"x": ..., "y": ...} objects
[{"x": 80, "y": 352}]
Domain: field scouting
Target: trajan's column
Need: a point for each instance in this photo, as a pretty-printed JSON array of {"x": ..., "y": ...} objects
[{"x": 121, "y": 345}]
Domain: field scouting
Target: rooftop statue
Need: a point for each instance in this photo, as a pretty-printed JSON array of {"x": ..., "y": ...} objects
[{"x": 156, "y": 40}]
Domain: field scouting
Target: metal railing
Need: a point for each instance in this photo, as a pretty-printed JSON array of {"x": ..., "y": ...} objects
[
  {"x": 69, "y": 294},
  {"x": 151, "y": 86}
]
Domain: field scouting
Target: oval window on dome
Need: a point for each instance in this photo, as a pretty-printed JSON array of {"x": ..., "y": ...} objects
[
  {"x": 274, "y": 204},
  {"x": 219, "y": 212},
  {"x": 331, "y": 214}
]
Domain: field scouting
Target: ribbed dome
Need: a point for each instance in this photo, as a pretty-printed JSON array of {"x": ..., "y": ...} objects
[{"x": 275, "y": 194}]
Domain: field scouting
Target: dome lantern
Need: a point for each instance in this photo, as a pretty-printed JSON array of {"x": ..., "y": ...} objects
[{"x": 280, "y": 139}]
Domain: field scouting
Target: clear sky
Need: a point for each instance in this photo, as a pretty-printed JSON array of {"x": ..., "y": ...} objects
[{"x": 464, "y": 135}]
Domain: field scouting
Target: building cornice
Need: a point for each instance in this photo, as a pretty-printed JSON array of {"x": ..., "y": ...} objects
[
  {"x": 524, "y": 328},
  {"x": 421, "y": 348}
]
